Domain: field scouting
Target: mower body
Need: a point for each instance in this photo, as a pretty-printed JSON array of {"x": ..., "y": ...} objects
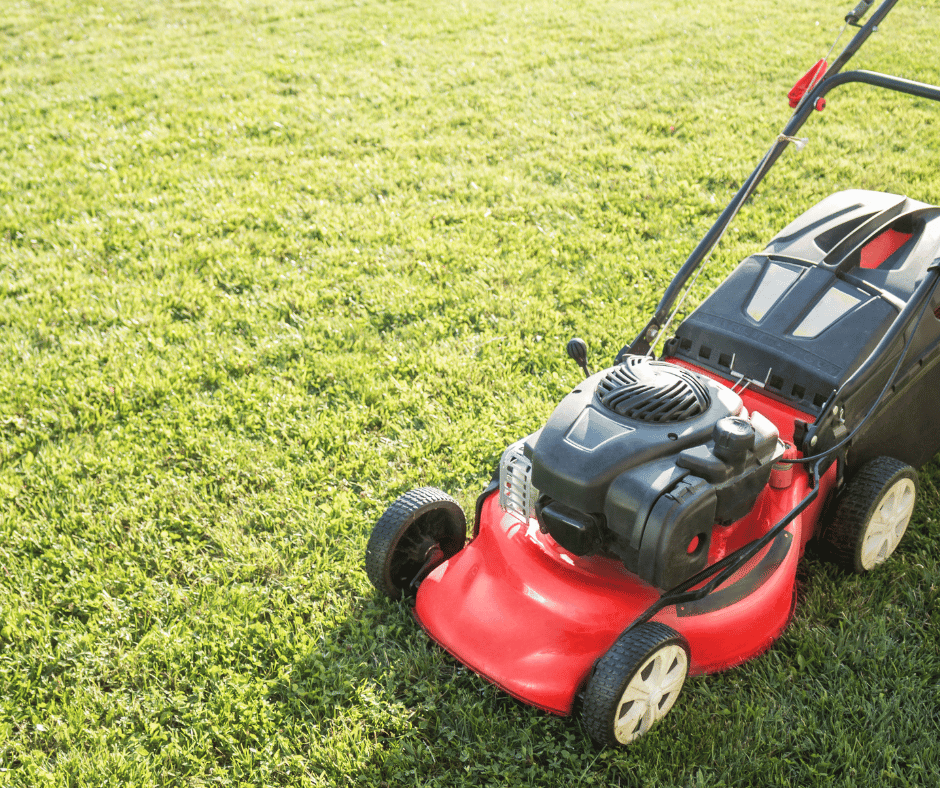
[
  {"x": 533, "y": 617},
  {"x": 649, "y": 472}
]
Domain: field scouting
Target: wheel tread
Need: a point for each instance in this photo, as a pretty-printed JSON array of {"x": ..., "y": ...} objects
[
  {"x": 612, "y": 673},
  {"x": 858, "y": 502},
  {"x": 390, "y": 527}
]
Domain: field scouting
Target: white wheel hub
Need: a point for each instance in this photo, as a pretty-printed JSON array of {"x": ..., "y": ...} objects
[
  {"x": 650, "y": 692},
  {"x": 888, "y": 523}
]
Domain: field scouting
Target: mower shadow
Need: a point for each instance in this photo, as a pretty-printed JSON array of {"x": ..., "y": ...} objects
[{"x": 376, "y": 697}]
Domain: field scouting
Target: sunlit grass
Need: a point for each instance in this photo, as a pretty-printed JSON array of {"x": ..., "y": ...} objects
[{"x": 265, "y": 265}]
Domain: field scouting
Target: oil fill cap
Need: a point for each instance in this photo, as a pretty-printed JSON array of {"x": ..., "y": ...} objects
[{"x": 733, "y": 437}]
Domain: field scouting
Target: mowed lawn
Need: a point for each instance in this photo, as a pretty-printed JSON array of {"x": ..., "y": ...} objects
[{"x": 267, "y": 264}]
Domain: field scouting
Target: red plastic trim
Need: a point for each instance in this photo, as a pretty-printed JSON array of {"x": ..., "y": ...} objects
[{"x": 881, "y": 247}]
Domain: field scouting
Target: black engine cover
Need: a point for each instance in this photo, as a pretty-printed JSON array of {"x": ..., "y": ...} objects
[{"x": 648, "y": 486}]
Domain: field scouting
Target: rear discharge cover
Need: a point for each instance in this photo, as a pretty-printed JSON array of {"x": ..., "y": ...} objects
[{"x": 801, "y": 316}]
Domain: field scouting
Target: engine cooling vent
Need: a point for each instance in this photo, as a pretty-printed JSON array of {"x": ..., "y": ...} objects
[{"x": 653, "y": 391}]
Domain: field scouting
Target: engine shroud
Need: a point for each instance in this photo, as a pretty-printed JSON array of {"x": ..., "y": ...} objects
[{"x": 641, "y": 460}]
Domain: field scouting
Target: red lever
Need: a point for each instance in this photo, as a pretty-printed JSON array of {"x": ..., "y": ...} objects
[{"x": 807, "y": 82}]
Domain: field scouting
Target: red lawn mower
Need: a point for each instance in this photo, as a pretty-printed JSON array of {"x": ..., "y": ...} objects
[{"x": 651, "y": 529}]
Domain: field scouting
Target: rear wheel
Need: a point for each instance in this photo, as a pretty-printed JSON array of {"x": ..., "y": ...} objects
[
  {"x": 417, "y": 533},
  {"x": 635, "y": 684},
  {"x": 873, "y": 514}
]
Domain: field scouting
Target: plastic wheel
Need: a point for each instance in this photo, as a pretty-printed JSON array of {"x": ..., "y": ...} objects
[
  {"x": 873, "y": 514},
  {"x": 423, "y": 528},
  {"x": 635, "y": 684}
]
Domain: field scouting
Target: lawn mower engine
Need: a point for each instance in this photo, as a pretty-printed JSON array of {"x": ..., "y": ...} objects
[{"x": 640, "y": 462}]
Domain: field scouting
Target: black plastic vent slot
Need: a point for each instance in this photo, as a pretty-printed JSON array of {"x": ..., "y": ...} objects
[{"x": 653, "y": 391}]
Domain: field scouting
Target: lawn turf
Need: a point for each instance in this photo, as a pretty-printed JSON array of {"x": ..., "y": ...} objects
[{"x": 265, "y": 265}]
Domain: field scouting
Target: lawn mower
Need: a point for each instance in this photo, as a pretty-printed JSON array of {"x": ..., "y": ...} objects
[{"x": 651, "y": 529}]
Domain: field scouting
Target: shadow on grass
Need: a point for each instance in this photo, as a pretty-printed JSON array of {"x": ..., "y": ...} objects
[{"x": 392, "y": 708}]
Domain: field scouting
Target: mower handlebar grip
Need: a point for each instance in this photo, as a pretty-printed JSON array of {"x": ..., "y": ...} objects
[{"x": 859, "y": 11}]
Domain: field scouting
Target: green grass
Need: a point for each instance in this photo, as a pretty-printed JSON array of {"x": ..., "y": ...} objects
[{"x": 266, "y": 265}]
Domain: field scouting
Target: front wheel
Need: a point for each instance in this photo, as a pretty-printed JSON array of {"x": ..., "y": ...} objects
[
  {"x": 418, "y": 532},
  {"x": 873, "y": 514},
  {"x": 635, "y": 683}
]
